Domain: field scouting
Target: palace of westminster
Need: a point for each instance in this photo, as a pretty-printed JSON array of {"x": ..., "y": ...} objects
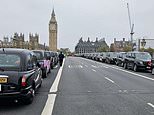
[{"x": 18, "y": 40}]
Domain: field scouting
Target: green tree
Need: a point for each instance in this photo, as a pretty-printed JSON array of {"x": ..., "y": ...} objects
[
  {"x": 127, "y": 48},
  {"x": 112, "y": 48},
  {"x": 102, "y": 49},
  {"x": 150, "y": 50}
]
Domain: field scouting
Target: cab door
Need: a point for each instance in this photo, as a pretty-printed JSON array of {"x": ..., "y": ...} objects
[
  {"x": 34, "y": 71},
  {"x": 132, "y": 60}
]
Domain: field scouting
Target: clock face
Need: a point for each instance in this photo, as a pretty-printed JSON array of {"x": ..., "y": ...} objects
[{"x": 52, "y": 27}]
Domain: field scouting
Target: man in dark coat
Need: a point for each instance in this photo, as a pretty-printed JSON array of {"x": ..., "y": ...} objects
[{"x": 61, "y": 57}]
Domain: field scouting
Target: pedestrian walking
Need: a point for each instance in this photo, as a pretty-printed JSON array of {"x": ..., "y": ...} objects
[{"x": 61, "y": 57}]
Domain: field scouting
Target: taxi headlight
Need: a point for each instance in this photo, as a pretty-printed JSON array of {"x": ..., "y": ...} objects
[{"x": 141, "y": 62}]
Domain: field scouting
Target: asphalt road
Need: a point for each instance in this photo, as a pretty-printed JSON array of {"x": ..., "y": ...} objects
[
  {"x": 93, "y": 88},
  {"x": 10, "y": 108},
  {"x": 88, "y": 87}
]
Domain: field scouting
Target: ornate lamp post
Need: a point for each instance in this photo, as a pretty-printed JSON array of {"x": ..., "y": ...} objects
[{"x": 143, "y": 43}]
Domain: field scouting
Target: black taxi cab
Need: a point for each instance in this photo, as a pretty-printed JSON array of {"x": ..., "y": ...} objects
[{"x": 20, "y": 75}]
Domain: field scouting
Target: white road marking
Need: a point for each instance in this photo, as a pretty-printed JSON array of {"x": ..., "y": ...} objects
[
  {"x": 125, "y": 91},
  {"x": 145, "y": 77},
  {"x": 80, "y": 66},
  {"x": 150, "y": 104},
  {"x": 142, "y": 76},
  {"x": 49, "y": 105},
  {"x": 86, "y": 65},
  {"x": 105, "y": 67},
  {"x": 52, "y": 97},
  {"x": 54, "y": 87},
  {"x": 93, "y": 66},
  {"x": 93, "y": 70},
  {"x": 109, "y": 80}
]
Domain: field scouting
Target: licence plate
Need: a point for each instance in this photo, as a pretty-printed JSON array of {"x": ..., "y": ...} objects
[{"x": 3, "y": 80}]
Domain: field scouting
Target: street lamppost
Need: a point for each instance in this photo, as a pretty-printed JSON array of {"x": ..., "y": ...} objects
[{"x": 143, "y": 43}]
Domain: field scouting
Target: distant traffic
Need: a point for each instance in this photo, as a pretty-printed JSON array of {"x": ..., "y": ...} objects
[{"x": 129, "y": 60}]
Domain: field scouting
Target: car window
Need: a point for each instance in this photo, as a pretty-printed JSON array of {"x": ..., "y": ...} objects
[
  {"x": 133, "y": 55},
  {"x": 143, "y": 56},
  {"x": 46, "y": 54},
  {"x": 39, "y": 55},
  {"x": 9, "y": 60},
  {"x": 29, "y": 62}
]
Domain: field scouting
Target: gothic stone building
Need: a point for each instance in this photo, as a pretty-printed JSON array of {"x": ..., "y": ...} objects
[
  {"x": 18, "y": 41},
  {"x": 90, "y": 46},
  {"x": 118, "y": 46}
]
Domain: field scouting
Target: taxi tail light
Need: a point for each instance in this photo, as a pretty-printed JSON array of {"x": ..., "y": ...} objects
[
  {"x": 149, "y": 63},
  {"x": 23, "y": 81}
]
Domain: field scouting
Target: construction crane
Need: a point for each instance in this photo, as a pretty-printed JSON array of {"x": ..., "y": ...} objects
[{"x": 131, "y": 26}]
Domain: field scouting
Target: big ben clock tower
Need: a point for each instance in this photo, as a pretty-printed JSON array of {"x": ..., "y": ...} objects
[{"x": 53, "y": 32}]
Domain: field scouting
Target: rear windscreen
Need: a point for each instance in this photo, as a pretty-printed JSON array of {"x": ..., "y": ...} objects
[
  {"x": 39, "y": 55},
  {"x": 9, "y": 60}
]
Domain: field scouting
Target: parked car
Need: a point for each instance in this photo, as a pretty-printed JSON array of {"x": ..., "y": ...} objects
[
  {"x": 138, "y": 60},
  {"x": 96, "y": 56},
  {"x": 120, "y": 58},
  {"x": 42, "y": 59},
  {"x": 102, "y": 57},
  {"x": 152, "y": 67},
  {"x": 111, "y": 57},
  {"x": 20, "y": 75}
]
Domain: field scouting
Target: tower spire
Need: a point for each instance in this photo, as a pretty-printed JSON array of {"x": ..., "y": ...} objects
[
  {"x": 53, "y": 17},
  {"x": 53, "y": 13}
]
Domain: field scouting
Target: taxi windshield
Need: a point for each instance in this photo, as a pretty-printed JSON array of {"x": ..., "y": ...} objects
[
  {"x": 39, "y": 55},
  {"x": 143, "y": 56},
  {"x": 9, "y": 60}
]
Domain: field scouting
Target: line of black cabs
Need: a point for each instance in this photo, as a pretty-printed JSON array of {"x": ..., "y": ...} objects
[
  {"x": 134, "y": 60},
  {"x": 152, "y": 67},
  {"x": 47, "y": 60},
  {"x": 20, "y": 75}
]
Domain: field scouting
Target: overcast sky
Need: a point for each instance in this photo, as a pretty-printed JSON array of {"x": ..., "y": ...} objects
[{"x": 77, "y": 18}]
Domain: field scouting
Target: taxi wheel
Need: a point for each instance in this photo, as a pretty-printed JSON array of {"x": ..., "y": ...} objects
[
  {"x": 29, "y": 100},
  {"x": 153, "y": 71},
  {"x": 44, "y": 73},
  {"x": 125, "y": 65}
]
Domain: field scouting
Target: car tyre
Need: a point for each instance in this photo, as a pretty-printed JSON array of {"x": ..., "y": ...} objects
[
  {"x": 125, "y": 65},
  {"x": 153, "y": 71},
  {"x": 29, "y": 100},
  {"x": 44, "y": 74}
]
